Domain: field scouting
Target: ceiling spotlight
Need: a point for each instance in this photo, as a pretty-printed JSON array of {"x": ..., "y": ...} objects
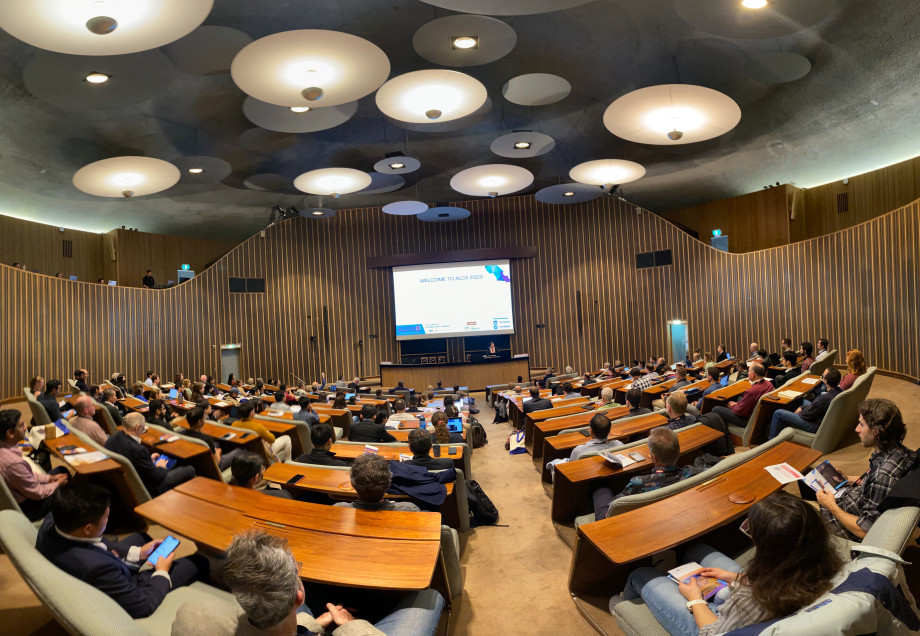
[
  {"x": 434, "y": 113},
  {"x": 493, "y": 194},
  {"x": 397, "y": 166},
  {"x": 312, "y": 93},
  {"x": 568, "y": 194},
  {"x": 97, "y": 78},
  {"x": 196, "y": 170},
  {"x": 300, "y": 109},
  {"x": 522, "y": 145},
  {"x": 101, "y": 25},
  {"x": 316, "y": 213},
  {"x": 465, "y": 42},
  {"x": 753, "y": 4},
  {"x": 675, "y": 134}
]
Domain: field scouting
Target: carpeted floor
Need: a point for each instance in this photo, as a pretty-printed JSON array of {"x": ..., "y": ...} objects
[{"x": 515, "y": 574}]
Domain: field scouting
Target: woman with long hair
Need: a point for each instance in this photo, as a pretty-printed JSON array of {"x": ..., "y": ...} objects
[
  {"x": 441, "y": 435},
  {"x": 856, "y": 366},
  {"x": 794, "y": 563},
  {"x": 37, "y": 386}
]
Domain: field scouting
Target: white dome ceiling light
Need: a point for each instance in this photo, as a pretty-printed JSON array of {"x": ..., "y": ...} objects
[
  {"x": 332, "y": 181},
  {"x": 310, "y": 67},
  {"x": 607, "y": 172},
  {"x": 101, "y": 27},
  {"x": 431, "y": 96},
  {"x": 491, "y": 180},
  {"x": 126, "y": 177}
]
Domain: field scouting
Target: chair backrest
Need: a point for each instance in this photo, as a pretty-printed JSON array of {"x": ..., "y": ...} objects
[
  {"x": 631, "y": 502},
  {"x": 109, "y": 422},
  {"x": 842, "y": 415},
  {"x": 7, "y": 500},
  {"x": 818, "y": 367},
  {"x": 303, "y": 429},
  {"x": 749, "y": 429},
  {"x": 77, "y": 606},
  {"x": 131, "y": 477},
  {"x": 39, "y": 414},
  {"x": 445, "y": 452}
]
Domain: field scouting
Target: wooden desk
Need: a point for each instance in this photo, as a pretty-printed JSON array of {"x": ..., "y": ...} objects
[
  {"x": 594, "y": 389},
  {"x": 278, "y": 415},
  {"x": 243, "y": 438},
  {"x": 574, "y": 480},
  {"x": 560, "y": 408},
  {"x": 402, "y": 435},
  {"x": 516, "y": 405},
  {"x": 559, "y": 446},
  {"x": 195, "y": 455},
  {"x": 374, "y": 550},
  {"x": 552, "y": 427},
  {"x": 654, "y": 392},
  {"x": 773, "y": 401},
  {"x": 607, "y": 551},
  {"x": 349, "y": 452},
  {"x": 721, "y": 396},
  {"x": 133, "y": 404},
  {"x": 336, "y": 485},
  {"x": 284, "y": 426}
]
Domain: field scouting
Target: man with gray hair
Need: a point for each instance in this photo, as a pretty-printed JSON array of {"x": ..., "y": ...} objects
[
  {"x": 84, "y": 422},
  {"x": 265, "y": 580},
  {"x": 370, "y": 477},
  {"x": 607, "y": 399}
]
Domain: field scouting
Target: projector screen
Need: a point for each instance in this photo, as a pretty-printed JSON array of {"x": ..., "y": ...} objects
[{"x": 453, "y": 299}]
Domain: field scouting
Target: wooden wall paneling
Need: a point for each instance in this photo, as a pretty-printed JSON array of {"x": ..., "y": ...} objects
[{"x": 41, "y": 248}]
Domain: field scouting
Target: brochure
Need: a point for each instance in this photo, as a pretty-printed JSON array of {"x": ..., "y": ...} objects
[
  {"x": 709, "y": 586},
  {"x": 824, "y": 476},
  {"x": 784, "y": 473}
]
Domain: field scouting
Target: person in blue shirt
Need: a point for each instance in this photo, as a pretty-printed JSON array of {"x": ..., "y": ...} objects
[{"x": 714, "y": 385}]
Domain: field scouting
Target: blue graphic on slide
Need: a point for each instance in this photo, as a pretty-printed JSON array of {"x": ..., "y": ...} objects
[
  {"x": 496, "y": 271},
  {"x": 409, "y": 330}
]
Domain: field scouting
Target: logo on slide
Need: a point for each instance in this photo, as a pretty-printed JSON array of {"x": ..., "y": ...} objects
[{"x": 497, "y": 272}]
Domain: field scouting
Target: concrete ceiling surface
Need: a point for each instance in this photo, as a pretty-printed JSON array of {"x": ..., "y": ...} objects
[{"x": 826, "y": 91}]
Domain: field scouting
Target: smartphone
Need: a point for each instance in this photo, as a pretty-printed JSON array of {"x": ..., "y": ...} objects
[
  {"x": 228, "y": 436},
  {"x": 637, "y": 456},
  {"x": 452, "y": 450},
  {"x": 436, "y": 450},
  {"x": 166, "y": 548},
  {"x": 293, "y": 480},
  {"x": 586, "y": 432}
]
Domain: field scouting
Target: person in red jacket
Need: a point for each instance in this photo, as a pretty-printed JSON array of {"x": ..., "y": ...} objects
[{"x": 738, "y": 413}]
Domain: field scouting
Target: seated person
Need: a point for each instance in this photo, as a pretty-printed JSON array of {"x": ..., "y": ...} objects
[
  {"x": 150, "y": 467},
  {"x": 400, "y": 415},
  {"x": 413, "y": 404},
  {"x": 195, "y": 418},
  {"x": 370, "y": 477},
  {"x": 568, "y": 391},
  {"x": 279, "y": 404},
  {"x": 137, "y": 391},
  {"x": 536, "y": 403},
  {"x": 808, "y": 417},
  {"x": 606, "y": 399},
  {"x": 649, "y": 379},
  {"x": 822, "y": 349},
  {"x": 790, "y": 369},
  {"x": 84, "y": 422},
  {"x": 794, "y": 563},
  {"x": 49, "y": 399},
  {"x": 712, "y": 374},
  {"x": 600, "y": 429},
  {"x": 805, "y": 349},
  {"x": 633, "y": 400},
  {"x": 157, "y": 413},
  {"x": 109, "y": 403},
  {"x": 676, "y": 408},
  {"x": 856, "y": 366},
  {"x": 737, "y": 413},
  {"x": 440, "y": 433},
  {"x": 248, "y": 471},
  {"x": 80, "y": 376},
  {"x": 280, "y": 446},
  {"x": 306, "y": 412},
  {"x": 367, "y": 430},
  {"x": 263, "y": 576},
  {"x": 322, "y": 436},
  {"x": 855, "y": 508},
  {"x": 664, "y": 451},
  {"x": 71, "y": 538},
  {"x": 31, "y": 490},
  {"x": 420, "y": 445},
  {"x": 682, "y": 381}
]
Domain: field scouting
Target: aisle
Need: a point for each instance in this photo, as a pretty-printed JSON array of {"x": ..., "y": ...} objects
[{"x": 515, "y": 578}]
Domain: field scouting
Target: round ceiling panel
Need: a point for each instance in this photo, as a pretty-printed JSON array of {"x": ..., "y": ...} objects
[
  {"x": 491, "y": 180},
  {"x": 778, "y": 67},
  {"x": 536, "y": 89},
  {"x": 464, "y": 40},
  {"x": 397, "y": 164},
  {"x": 506, "y": 7},
  {"x": 284, "y": 119},
  {"x": 124, "y": 177},
  {"x": 405, "y": 208},
  {"x": 431, "y": 97},
  {"x": 382, "y": 183},
  {"x": 202, "y": 169},
  {"x": 607, "y": 172},
  {"x": 522, "y": 144},
  {"x": 566, "y": 193},
  {"x": 208, "y": 50},
  {"x": 444, "y": 214}
]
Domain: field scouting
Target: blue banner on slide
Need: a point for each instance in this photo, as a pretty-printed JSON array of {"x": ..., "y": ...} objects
[
  {"x": 409, "y": 330},
  {"x": 497, "y": 272}
]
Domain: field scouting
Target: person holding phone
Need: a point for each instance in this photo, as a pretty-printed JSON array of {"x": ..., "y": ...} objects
[
  {"x": 71, "y": 537},
  {"x": 795, "y": 561},
  {"x": 151, "y": 467}
]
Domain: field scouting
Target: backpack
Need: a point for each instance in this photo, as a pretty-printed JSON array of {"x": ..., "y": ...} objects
[
  {"x": 482, "y": 511},
  {"x": 477, "y": 435}
]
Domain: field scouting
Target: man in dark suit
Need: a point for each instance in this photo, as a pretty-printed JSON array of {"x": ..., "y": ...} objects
[
  {"x": 536, "y": 403},
  {"x": 150, "y": 468},
  {"x": 80, "y": 375},
  {"x": 71, "y": 538},
  {"x": 49, "y": 399},
  {"x": 791, "y": 369},
  {"x": 110, "y": 404},
  {"x": 321, "y": 435},
  {"x": 722, "y": 354},
  {"x": 366, "y": 430},
  {"x": 420, "y": 445},
  {"x": 633, "y": 400}
]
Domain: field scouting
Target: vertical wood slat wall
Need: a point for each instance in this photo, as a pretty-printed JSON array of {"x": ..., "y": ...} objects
[{"x": 858, "y": 287}]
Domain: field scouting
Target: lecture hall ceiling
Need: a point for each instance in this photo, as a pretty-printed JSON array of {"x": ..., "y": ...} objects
[{"x": 826, "y": 88}]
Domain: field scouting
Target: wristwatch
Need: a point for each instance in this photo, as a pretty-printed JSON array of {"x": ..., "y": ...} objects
[{"x": 696, "y": 601}]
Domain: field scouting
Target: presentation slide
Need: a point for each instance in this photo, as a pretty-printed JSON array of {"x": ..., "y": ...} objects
[{"x": 453, "y": 299}]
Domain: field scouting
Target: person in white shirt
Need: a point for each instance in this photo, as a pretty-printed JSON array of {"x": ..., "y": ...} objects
[
  {"x": 84, "y": 422},
  {"x": 279, "y": 404},
  {"x": 400, "y": 415},
  {"x": 822, "y": 349}
]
